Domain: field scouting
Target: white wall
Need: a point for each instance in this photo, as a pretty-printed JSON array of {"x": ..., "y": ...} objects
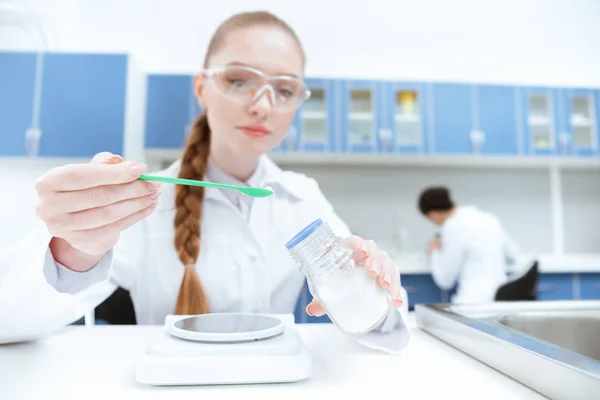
[
  {"x": 374, "y": 200},
  {"x": 518, "y": 41},
  {"x": 550, "y": 42}
]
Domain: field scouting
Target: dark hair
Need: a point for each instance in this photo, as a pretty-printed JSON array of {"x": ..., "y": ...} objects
[
  {"x": 188, "y": 200},
  {"x": 436, "y": 198}
]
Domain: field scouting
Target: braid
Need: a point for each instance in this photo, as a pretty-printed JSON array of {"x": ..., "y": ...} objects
[
  {"x": 188, "y": 200},
  {"x": 188, "y": 204}
]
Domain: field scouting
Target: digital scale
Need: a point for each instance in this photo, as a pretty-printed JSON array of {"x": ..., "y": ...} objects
[{"x": 225, "y": 348}]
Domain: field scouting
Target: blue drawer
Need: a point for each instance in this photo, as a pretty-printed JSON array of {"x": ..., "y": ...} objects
[
  {"x": 589, "y": 286},
  {"x": 555, "y": 287},
  {"x": 421, "y": 289}
]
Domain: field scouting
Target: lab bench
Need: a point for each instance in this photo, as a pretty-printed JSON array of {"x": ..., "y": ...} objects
[{"x": 98, "y": 363}]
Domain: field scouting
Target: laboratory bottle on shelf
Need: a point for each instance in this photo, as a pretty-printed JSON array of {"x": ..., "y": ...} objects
[{"x": 352, "y": 299}]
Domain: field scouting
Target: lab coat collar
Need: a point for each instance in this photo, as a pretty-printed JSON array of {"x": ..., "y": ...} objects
[
  {"x": 278, "y": 179},
  {"x": 281, "y": 182}
]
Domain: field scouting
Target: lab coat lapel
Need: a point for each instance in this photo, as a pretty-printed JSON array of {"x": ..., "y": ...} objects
[
  {"x": 260, "y": 219},
  {"x": 268, "y": 213}
]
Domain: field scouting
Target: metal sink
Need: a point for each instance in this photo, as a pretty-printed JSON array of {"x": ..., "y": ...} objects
[
  {"x": 578, "y": 332},
  {"x": 552, "y": 347}
]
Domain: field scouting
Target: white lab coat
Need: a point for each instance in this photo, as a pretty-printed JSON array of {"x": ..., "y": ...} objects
[
  {"x": 476, "y": 253},
  {"x": 243, "y": 264}
]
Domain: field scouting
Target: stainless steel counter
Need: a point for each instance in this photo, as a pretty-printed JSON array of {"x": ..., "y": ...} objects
[{"x": 552, "y": 347}]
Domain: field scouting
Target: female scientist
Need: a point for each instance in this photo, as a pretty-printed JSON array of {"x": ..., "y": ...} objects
[{"x": 180, "y": 249}]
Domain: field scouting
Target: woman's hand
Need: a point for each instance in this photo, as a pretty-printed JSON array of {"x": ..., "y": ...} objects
[
  {"x": 379, "y": 265},
  {"x": 86, "y": 206}
]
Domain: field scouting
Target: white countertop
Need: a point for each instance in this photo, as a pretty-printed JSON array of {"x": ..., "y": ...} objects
[
  {"x": 97, "y": 363},
  {"x": 549, "y": 263}
]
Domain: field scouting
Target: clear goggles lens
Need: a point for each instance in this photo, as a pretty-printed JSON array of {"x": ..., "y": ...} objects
[{"x": 245, "y": 85}]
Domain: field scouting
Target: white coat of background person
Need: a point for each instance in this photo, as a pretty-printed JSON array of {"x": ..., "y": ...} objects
[
  {"x": 187, "y": 250},
  {"x": 473, "y": 249}
]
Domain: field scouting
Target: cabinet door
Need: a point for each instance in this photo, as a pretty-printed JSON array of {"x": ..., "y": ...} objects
[
  {"x": 83, "y": 104},
  {"x": 589, "y": 286},
  {"x": 315, "y": 122},
  {"x": 421, "y": 288},
  {"x": 405, "y": 125},
  {"x": 539, "y": 122},
  {"x": 360, "y": 116},
  {"x": 495, "y": 127},
  {"x": 17, "y": 85},
  {"x": 452, "y": 117},
  {"x": 555, "y": 287},
  {"x": 170, "y": 110},
  {"x": 578, "y": 121}
]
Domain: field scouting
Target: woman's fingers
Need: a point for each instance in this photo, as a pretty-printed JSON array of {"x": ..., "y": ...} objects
[
  {"x": 101, "y": 196},
  {"x": 315, "y": 309},
  {"x": 396, "y": 290},
  {"x": 100, "y": 235},
  {"x": 107, "y": 158},
  {"x": 88, "y": 205},
  {"x": 378, "y": 264},
  {"x": 389, "y": 279},
  {"x": 101, "y": 216},
  {"x": 75, "y": 177}
]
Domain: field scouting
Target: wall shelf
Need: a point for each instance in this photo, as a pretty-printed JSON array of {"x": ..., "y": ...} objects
[{"x": 407, "y": 160}]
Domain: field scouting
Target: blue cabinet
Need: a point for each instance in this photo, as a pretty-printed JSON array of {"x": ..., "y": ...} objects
[
  {"x": 539, "y": 120},
  {"x": 171, "y": 108},
  {"x": 17, "y": 83},
  {"x": 495, "y": 120},
  {"x": 368, "y": 116},
  {"x": 589, "y": 286},
  {"x": 75, "y": 102},
  {"x": 474, "y": 119},
  {"x": 421, "y": 288},
  {"x": 82, "y": 104},
  {"x": 555, "y": 287},
  {"x": 578, "y": 121},
  {"x": 315, "y": 126},
  {"x": 360, "y": 115},
  {"x": 405, "y": 125},
  {"x": 452, "y": 117}
]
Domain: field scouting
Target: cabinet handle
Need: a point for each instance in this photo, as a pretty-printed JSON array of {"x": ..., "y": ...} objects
[
  {"x": 32, "y": 142},
  {"x": 477, "y": 141},
  {"x": 564, "y": 142},
  {"x": 385, "y": 136}
]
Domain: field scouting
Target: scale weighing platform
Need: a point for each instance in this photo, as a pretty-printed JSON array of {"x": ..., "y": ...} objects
[{"x": 225, "y": 348}]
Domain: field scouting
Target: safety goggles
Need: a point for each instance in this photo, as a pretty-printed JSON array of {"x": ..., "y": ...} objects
[{"x": 245, "y": 85}]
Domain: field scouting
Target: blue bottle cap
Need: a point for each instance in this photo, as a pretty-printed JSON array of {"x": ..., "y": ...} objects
[{"x": 303, "y": 234}]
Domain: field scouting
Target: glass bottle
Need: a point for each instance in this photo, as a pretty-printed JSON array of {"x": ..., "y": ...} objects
[{"x": 352, "y": 299}]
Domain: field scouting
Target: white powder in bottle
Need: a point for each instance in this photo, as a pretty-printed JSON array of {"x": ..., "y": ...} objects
[{"x": 353, "y": 300}]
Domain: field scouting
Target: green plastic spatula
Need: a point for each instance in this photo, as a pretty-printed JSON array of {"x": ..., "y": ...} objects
[{"x": 249, "y": 191}]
